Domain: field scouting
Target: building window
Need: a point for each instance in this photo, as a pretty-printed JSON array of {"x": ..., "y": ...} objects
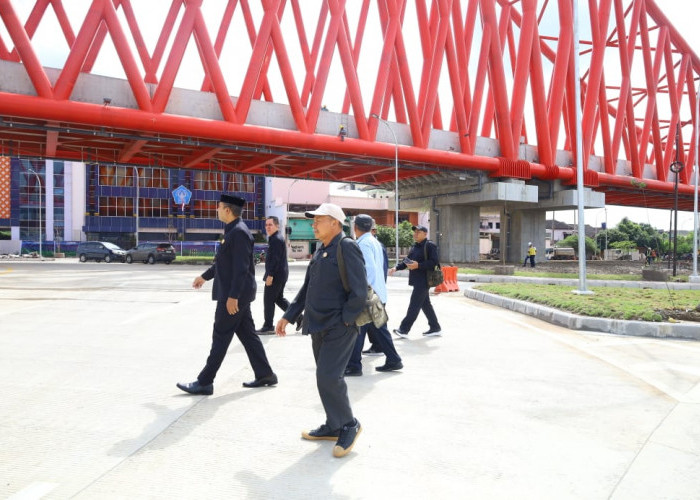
[
  {"x": 156, "y": 207},
  {"x": 59, "y": 200},
  {"x": 208, "y": 181},
  {"x": 31, "y": 198},
  {"x": 205, "y": 209},
  {"x": 113, "y": 206}
]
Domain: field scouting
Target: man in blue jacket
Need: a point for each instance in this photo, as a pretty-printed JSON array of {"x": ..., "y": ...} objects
[
  {"x": 330, "y": 312},
  {"x": 234, "y": 289},
  {"x": 374, "y": 267},
  {"x": 417, "y": 264},
  {"x": 276, "y": 274}
]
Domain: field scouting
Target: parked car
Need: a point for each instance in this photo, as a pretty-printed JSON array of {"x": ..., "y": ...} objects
[
  {"x": 99, "y": 251},
  {"x": 150, "y": 253}
]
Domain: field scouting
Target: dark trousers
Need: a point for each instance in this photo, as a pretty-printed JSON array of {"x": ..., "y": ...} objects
[
  {"x": 274, "y": 295},
  {"x": 532, "y": 260},
  {"x": 383, "y": 339},
  {"x": 420, "y": 301},
  {"x": 373, "y": 340},
  {"x": 332, "y": 349},
  {"x": 225, "y": 325}
]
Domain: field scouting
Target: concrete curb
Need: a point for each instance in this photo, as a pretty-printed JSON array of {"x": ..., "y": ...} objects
[
  {"x": 577, "y": 322},
  {"x": 493, "y": 278}
]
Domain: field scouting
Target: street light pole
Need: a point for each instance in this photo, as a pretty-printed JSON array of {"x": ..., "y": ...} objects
[
  {"x": 582, "y": 289},
  {"x": 396, "y": 181},
  {"x": 694, "y": 276},
  {"x": 38, "y": 179},
  {"x": 136, "y": 172}
]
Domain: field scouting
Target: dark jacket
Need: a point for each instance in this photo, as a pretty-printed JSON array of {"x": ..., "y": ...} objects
[
  {"x": 418, "y": 277},
  {"x": 322, "y": 298},
  {"x": 234, "y": 267},
  {"x": 276, "y": 258}
]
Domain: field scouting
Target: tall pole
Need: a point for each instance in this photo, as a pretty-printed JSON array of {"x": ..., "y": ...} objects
[
  {"x": 676, "y": 168},
  {"x": 38, "y": 179},
  {"x": 579, "y": 161},
  {"x": 136, "y": 172},
  {"x": 694, "y": 276},
  {"x": 396, "y": 182},
  {"x": 606, "y": 233}
]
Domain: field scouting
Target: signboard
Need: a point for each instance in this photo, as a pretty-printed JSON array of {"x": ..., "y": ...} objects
[{"x": 182, "y": 195}]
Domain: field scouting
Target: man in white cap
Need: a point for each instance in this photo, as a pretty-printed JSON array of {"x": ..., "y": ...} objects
[{"x": 330, "y": 312}]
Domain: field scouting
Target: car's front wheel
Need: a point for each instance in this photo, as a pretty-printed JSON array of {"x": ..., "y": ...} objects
[
  {"x": 108, "y": 258},
  {"x": 83, "y": 257},
  {"x": 129, "y": 259},
  {"x": 151, "y": 259}
]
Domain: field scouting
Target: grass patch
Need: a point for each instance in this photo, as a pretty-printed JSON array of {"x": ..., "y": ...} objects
[
  {"x": 200, "y": 259},
  {"x": 605, "y": 302}
]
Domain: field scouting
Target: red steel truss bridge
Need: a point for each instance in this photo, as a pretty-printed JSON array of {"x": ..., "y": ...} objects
[{"x": 333, "y": 89}]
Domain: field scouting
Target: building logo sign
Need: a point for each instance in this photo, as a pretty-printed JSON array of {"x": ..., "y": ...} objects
[{"x": 182, "y": 196}]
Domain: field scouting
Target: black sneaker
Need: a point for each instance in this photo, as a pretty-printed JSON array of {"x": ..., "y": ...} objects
[
  {"x": 433, "y": 333},
  {"x": 324, "y": 432},
  {"x": 372, "y": 352},
  {"x": 347, "y": 438}
]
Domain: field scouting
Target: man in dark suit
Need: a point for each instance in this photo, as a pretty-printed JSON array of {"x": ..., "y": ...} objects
[
  {"x": 234, "y": 289},
  {"x": 276, "y": 274},
  {"x": 330, "y": 314},
  {"x": 422, "y": 257}
]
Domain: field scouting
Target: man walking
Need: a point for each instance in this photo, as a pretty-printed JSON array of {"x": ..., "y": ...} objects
[
  {"x": 374, "y": 266},
  {"x": 276, "y": 274},
  {"x": 234, "y": 289},
  {"x": 330, "y": 314},
  {"x": 422, "y": 257}
]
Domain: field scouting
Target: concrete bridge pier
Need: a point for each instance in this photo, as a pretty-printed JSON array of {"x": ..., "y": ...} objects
[
  {"x": 455, "y": 214},
  {"x": 457, "y": 229}
]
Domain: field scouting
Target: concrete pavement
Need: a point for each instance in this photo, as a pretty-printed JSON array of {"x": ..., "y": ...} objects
[{"x": 501, "y": 406}]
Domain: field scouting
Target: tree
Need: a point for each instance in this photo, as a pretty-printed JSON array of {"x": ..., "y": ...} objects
[
  {"x": 387, "y": 235},
  {"x": 572, "y": 241}
]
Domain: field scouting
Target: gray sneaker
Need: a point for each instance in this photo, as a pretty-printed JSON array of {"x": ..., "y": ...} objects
[
  {"x": 400, "y": 334},
  {"x": 433, "y": 333}
]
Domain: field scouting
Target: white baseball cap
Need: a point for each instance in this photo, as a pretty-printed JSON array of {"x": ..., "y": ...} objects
[{"x": 329, "y": 209}]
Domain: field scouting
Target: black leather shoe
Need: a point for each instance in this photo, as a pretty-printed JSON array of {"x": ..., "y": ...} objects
[
  {"x": 197, "y": 388},
  {"x": 389, "y": 367},
  {"x": 265, "y": 330},
  {"x": 300, "y": 320},
  {"x": 261, "y": 382},
  {"x": 353, "y": 372}
]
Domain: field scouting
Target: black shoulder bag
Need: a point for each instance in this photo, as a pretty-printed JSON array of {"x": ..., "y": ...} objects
[{"x": 435, "y": 276}]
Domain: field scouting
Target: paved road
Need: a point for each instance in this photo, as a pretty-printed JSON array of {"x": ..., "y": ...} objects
[{"x": 501, "y": 406}]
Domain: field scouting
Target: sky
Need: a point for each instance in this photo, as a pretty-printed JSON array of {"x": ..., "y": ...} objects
[{"x": 52, "y": 50}]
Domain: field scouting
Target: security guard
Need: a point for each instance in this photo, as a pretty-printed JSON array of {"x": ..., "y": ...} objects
[
  {"x": 330, "y": 314},
  {"x": 234, "y": 289},
  {"x": 276, "y": 274}
]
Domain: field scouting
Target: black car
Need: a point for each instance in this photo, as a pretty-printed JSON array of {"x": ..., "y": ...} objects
[
  {"x": 151, "y": 253},
  {"x": 99, "y": 251}
]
